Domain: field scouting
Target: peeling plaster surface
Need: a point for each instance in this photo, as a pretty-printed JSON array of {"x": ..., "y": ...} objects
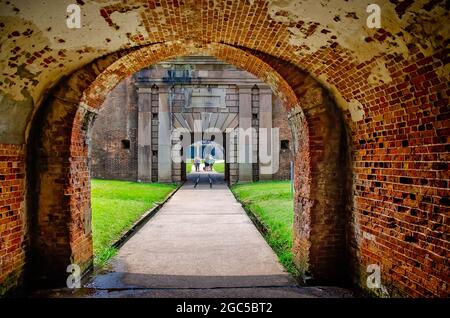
[
  {"x": 444, "y": 72},
  {"x": 37, "y": 48},
  {"x": 14, "y": 117},
  {"x": 57, "y": 49}
]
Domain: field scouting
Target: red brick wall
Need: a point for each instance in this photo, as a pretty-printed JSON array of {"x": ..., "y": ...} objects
[
  {"x": 399, "y": 204},
  {"x": 401, "y": 186},
  {"x": 280, "y": 120},
  {"x": 12, "y": 216},
  {"x": 321, "y": 186},
  {"x": 116, "y": 121}
]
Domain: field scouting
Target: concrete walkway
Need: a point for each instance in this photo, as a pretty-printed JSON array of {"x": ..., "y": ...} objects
[{"x": 200, "y": 244}]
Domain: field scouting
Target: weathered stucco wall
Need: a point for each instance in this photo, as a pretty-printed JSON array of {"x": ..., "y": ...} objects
[
  {"x": 279, "y": 119},
  {"x": 114, "y": 125}
]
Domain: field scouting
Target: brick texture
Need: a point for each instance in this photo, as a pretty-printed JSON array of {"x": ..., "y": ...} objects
[
  {"x": 280, "y": 121},
  {"x": 117, "y": 122}
]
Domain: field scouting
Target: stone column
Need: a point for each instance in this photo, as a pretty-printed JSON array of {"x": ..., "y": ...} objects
[
  {"x": 144, "y": 135},
  {"x": 245, "y": 151},
  {"x": 164, "y": 131},
  {"x": 265, "y": 141},
  {"x": 155, "y": 128}
]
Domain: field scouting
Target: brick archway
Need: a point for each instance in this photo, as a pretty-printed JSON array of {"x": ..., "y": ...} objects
[
  {"x": 58, "y": 168},
  {"x": 391, "y": 85}
]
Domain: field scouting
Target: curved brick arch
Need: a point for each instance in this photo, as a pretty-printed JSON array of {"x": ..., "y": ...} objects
[
  {"x": 392, "y": 85},
  {"x": 60, "y": 168}
]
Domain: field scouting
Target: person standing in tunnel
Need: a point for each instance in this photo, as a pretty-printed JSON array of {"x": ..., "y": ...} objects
[{"x": 211, "y": 161}]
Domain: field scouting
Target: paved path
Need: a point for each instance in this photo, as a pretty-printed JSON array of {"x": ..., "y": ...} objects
[{"x": 200, "y": 244}]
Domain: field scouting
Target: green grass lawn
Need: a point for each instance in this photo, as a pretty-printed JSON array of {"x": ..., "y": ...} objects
[
  {"x": 271, "y": 203},
  {"x": 116, "y": 205},
  {"x": 218, "y": 166}
]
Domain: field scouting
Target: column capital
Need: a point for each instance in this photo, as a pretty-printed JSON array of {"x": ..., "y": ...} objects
[
  {"x": 164, "y": 89},
  {"x": 265, "y": 90}
]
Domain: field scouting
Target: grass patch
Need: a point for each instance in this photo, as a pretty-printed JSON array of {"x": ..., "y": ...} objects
[
  {"x": 271, "y": 203},
  {"x": 116, "y": 205},
  {"x": 219, "y": 167}
]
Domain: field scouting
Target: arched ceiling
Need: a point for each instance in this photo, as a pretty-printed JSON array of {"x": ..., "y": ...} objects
[
  {"x": 133, "y": 61},
  {"x": 38, "y": 49}
]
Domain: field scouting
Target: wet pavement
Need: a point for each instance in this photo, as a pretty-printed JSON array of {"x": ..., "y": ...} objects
[{"x": 200, "y": 244}]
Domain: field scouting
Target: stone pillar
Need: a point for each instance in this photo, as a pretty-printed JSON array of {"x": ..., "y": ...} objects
[
  {"x": 155, "y": 128},
  {"x": 265, "y": 142},
  {"x": 144, "y": 135},
  {"x": 164, "y": 131},
  {"x": 245, "y": 142}
]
